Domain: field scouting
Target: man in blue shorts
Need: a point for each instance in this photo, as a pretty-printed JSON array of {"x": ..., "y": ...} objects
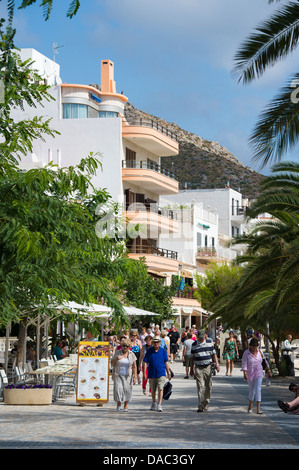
[{"x": 156, "y": 359}]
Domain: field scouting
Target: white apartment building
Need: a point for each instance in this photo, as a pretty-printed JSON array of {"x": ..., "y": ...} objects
[
  {"x": 230, "y": 207},
  {"x": 91, "y": 119},
  {"x": 197, "y": 231}
]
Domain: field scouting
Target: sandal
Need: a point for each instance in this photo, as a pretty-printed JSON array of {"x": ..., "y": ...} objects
[
  {"x": 283, "y": 406},
  {"x": 144, "y": 392}
]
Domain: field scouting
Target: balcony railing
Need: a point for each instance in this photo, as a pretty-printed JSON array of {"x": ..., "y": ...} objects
[
  {"x": 239, "y": 210},
  {"x": 207, "y": 251},
  {"x": 154, "y": 125},
  {"x": 182, "y": 294},
  {"x": 143, "y": 164},
  {"x": 151, "y": 250},
  {"x": 150, "y": 207}
]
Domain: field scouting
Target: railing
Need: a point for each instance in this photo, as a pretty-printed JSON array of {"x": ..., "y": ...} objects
[
  {"x": 150, "y": 207},
  {"x": 182, "y": 294},
  {"x": 239, "y": 210},
  {"x": 154, "y": 125},
  {"x": 151, "y": 250},
  {"x": 142, "y": 164},
  {"x": 206, "y": 252}
]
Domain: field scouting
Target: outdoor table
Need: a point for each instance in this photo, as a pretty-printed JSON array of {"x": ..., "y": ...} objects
[{"x": 54, "y": 372}]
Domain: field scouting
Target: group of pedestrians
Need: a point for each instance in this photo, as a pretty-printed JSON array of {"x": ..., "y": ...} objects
[
  {"x": 154, "y": 363},
  {"x": 152, "y": 355}
]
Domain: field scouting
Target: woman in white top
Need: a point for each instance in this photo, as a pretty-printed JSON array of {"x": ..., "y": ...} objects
[{"x": 125, "y": 374}]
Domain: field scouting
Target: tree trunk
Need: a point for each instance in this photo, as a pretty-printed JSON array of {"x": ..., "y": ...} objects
[
  {"x": 275, "y": 351},
  {"x": 21, "y": 341},
  {"x": 244, "y": 340}
]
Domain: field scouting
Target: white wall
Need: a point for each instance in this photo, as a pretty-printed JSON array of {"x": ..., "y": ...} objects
[
  {"x": 191, "y": 221},
  {"x": 219, "y": 199},
  {"x": 47, "y": 68},
  {"x": 78, "y": 138}
]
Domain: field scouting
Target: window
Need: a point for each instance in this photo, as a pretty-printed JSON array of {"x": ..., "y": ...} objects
[
  {"x": 130, "y": 155},
  {"x": 107, "y": 114},
  {"x": 74, "y": 111},
  {"x": 198, "y": 239}
]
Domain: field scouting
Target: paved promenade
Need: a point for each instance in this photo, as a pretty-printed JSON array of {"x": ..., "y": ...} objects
[{"x": 226, "y": 425}]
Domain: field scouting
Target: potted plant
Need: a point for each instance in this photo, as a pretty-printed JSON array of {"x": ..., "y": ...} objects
[{"x": 24, "y": 394}]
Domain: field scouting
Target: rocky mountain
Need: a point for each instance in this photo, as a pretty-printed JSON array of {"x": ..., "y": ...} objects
[{"x": 201, "y": 163}]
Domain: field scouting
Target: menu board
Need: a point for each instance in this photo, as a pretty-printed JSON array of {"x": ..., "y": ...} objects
[{"x": 93, "y": 372}]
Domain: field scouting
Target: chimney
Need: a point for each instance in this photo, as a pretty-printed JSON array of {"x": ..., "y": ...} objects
[{"x": 107, "y": 77}]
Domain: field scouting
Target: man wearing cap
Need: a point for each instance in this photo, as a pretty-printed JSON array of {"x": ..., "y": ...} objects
[
  {"x": 156, "y": 360},
  {"x": 203, "y": 354}
]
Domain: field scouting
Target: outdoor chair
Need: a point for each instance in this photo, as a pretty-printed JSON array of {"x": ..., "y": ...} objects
[
  {"x": 65, "y": 384},
  {"x": 19, "y": 375},
  {"x": 3, "y": 382},
  {"x": 29, "y": 378}
]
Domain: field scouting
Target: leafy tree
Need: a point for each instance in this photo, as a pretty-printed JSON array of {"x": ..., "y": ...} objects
[
  {"x": 141, "y": 290},
  {"x": 49, "y": 249},
  {"x": 218, "y": 279},
  {"x": 276, "y": 131}
]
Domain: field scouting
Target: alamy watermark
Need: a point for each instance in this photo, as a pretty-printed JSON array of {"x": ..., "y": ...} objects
[
  {"x": 145, "y": 221},
  {"x": 295, "y": 93}
]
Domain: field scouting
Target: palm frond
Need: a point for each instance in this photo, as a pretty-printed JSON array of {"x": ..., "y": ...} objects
[
  {"x": 73, "y": 8},
  {"x": 277, "y": 129},
  {"x": 275, "y": 38}
]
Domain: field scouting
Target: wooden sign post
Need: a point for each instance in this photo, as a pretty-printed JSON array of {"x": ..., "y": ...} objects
[{"x": 93, "y": 372}]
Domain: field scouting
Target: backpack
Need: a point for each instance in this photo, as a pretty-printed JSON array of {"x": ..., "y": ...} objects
[{"x": 167, "y": 390}]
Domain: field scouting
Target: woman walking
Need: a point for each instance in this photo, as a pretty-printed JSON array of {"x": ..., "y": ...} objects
[
  {"x": 230, "y": 351},
  {"x": 125, "y": 374},
  {"x": 252, "y": 367}
]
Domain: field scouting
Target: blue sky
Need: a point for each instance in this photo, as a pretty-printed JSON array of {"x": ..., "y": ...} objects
[{"x": 173, "y": 59}]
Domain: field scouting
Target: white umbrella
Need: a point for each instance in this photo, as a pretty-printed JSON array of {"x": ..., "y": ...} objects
[{"x": 105, "y": 311}]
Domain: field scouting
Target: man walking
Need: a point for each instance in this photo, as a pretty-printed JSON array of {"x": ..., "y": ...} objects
[
  {"x": 156, "y": 360},
  {"x": 286, "y": 351},
  {"x": 174, "y": 337},
  {"x": 203, "y": 355}
]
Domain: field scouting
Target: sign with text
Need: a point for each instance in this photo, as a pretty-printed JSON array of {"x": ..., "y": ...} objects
[{"x": 93, "y": 372}]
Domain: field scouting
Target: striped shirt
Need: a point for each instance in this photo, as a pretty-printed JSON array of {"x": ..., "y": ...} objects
[{"x": 202, "y": 353}]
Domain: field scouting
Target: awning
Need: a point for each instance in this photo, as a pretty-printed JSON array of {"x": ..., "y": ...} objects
[
  {"x": 156, "y": 273},
  {"x": 203, "y": 225},
  {"x": 185, "y": 273},
  {"x": 95, "y": 98},
  {"x": 103, "y": 311}
]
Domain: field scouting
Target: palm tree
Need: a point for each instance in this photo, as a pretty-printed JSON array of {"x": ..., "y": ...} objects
[
  {"x": 277, "y": 130},
  {"x": 269, "y": 285}
]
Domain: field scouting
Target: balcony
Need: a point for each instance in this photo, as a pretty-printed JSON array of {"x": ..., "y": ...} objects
[
  {"x": 157, "y": 259},
  {"x": 185, "y": 299},
  {"x": 150, "y": 176},
  {"x": 238, "y": 213},
  {"x": 151, "y": 135},
  {"x": 154, "y": 217}
]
